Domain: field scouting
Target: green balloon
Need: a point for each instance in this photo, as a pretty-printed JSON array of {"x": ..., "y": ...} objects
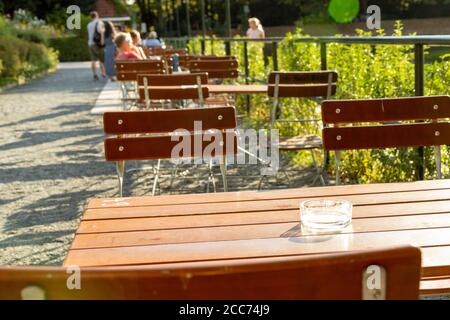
[{"x": 343, "y": 11}]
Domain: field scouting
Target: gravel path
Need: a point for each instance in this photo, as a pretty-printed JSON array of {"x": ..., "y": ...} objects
[{"x": 51, "y": 163}]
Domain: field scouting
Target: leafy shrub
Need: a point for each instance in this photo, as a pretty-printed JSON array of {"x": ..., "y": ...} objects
[
  {"x": 23, "y": 59},
  {"x": 23, "y": 50},
  {"x": 71, "y": 48},
  {"x": 32, "y": 36},
  {"x": 365, "y": 71}
]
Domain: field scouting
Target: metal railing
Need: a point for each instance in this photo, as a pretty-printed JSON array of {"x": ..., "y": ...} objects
[{"x": 417, "y": 42}]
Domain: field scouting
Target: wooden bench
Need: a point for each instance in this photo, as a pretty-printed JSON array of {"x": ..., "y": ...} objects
[
  {"x": 377, "y": 274},
  {"x": 347, "y": 125}
]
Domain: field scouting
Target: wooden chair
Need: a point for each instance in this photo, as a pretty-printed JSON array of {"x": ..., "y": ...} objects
[
  {"x": 303, "y": 84},
  {"x": 346, "y": 276},
  {"x": 173, "y": 87},
  {"x": 154, "y": 51},
  {"x": 129, "y": 69},
  {"x": 127, "y": 72},
  {"x": 216, "y": 69},
  {"x": 164, "y": 123},
  {"x": 341, "y": 133}
]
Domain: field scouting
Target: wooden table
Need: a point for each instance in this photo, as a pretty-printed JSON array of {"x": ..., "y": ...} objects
[{"x": 208, "y": 229}]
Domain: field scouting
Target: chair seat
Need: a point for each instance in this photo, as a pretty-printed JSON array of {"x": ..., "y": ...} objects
[{"x": 300, "y": 142}]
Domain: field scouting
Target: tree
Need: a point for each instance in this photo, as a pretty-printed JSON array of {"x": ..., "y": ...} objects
[{"x": 53, "y": 11}]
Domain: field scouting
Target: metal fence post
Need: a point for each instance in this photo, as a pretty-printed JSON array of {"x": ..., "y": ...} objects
[
  {"x": 324, "y": 66},
  {"x": 419, "y": 61},
  {"x": 323, "y": 56},
  {"x": 227, "y": 48},
  {"x": 247, "y": 74},
  {"x": 203, "y": 46},
  {"x": 275, "y": 55}
]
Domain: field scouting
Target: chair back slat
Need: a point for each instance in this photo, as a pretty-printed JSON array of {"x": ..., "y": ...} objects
[
  {"x": 379, "y": 110},
  {"x": 154, "y": 51},
  {"x": 209, "y": 58},
  {"x": 180, "y": 52},
  {"x": 303, "y": 77},
  {"x": 386, "y": 136},
  {"x": 302, "y": 91},
  {"x": 133, "y": 76},
  {"x": 174, "y": 93},
  {"x": 213, "y": 65},
  {"x": 173, "y": 79},
  {"x": 161, "y": 121},
  {"x": 222, "y": 74},
  {"x": 139, "y": 65},
  {"x": 162, "y": 147},
  {"x": 332, "y": 276}
]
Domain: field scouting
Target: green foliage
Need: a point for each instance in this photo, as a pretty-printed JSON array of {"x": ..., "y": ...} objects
[
  {"x": 365, "y": 71},
  {"x": 23, "y": 53},
  {"x": 71, "y": 48}
]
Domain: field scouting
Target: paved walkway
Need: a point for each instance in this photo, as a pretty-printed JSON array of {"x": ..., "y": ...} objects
[{"x": 52, "y": 162}]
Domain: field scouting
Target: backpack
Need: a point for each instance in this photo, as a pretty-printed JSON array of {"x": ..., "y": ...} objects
[{"x": 98, "y": 37}]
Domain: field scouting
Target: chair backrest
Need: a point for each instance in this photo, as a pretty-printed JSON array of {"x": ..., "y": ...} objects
[
  {"x": 183, "y": 79},
  {"x": 174, "y": 86},
  {"x": 302, "y": 84},
  {"x": 173, "y": 93},
  {"x": 170, "y": 52},
  {"x": 334, "y": 276},
  {"x": 387, "y": 135},
  {"x": 128, "y": 70},
  {"x": 166, "y": 121},
  {"x": 393, "y": 132},
  {"x": 154, "y": 51},
  {"x": 216, "y": 69}
]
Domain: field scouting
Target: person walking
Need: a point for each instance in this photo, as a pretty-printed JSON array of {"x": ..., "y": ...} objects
[
  {"x": 96, "y": 43},
  {"x": 110, "y": 50},
  {"x": 256, "y": 30}
]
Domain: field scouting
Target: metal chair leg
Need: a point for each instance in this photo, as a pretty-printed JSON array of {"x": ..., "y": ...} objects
[
  {"x": 337, "y": 156},
  {"x": 120, "y": 166},
  {"x": 223, "y": 170},
  {"x": 211, "y": 178},
  {"x": 155, "y": 181},
  {"x": 172, "y": 176},
  {"x": 318, "y": 170},
  {"x": 437, "y": 157}
]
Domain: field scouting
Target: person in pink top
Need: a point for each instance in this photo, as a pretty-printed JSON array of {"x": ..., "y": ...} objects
[{"x": 124, "y": 43}]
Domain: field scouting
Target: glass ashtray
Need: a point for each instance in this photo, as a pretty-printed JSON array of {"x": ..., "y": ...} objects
[{"x": 325, "y": 214}]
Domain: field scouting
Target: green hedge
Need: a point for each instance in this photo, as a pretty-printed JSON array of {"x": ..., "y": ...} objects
[
  {"x": 73, "y": 48},
  {"x": 21, "y": 60}
]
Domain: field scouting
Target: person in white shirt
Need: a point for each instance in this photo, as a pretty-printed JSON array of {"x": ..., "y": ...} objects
[
  {"x": 96, "y": 43},
  {"x": 255, "y": 30}
]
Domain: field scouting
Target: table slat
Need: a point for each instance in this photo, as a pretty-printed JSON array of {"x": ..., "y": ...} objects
[
  {"x": 256, "y": 248},
  {"x": 284, "y": 204},
  {"x": 330, "y": 191}
]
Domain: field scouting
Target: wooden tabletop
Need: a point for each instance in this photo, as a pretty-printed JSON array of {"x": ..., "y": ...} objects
[
  {"x": 210, "y": 228},
  {"x": 237, "y": 89}
]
